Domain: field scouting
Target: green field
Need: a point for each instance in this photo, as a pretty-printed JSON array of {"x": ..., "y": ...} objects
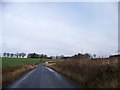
[
  {"x": 13, "y": 62},
  {"x": 13, "y": 68}
]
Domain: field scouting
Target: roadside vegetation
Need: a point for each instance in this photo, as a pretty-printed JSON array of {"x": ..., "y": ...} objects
[
  {"x": 13, "y": 68},
  {"x": 90, "y": 73}
]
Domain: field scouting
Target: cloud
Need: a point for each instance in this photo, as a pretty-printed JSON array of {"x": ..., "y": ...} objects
[{"x": 67, "y": 29}]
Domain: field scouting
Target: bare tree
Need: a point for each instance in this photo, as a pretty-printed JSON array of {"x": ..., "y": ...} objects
[
  {"x": 88, "y": 55},
  {"x": 11, "y": 55},
  {"x": 62, "y": 56},
  {"x": 94, "y": 55},
  {"x": 20, "y": 55},
  {"x": 8, "y": 54},
  {"x": 17, "y": 55},
  {"x": 23, "y": 55},
  {"x": 4, "y": 54}
]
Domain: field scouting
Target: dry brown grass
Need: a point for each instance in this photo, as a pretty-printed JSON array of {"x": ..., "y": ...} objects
[
  {"x": 100, "y": 73},
  {"x": 11, "y": 74},
  {"x": 49, "y": 63}
]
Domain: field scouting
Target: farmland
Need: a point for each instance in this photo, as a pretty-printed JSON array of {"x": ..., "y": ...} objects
[
  {"x": 13, "y": 68},
  {"x": 89, "y": 73},
  {"x": 13, "y": 62}
]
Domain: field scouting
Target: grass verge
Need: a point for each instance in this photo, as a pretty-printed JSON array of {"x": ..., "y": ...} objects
[
  {"x": 101, "y": 73},
  {"x": 11, "y": 74},
  {"x": 13, "y": 68}
]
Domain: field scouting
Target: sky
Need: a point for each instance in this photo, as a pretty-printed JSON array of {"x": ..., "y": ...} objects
[{"x": 60, "y": 28}]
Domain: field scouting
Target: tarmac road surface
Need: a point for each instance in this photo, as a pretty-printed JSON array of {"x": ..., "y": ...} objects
[{"x": 43, "y": 77}]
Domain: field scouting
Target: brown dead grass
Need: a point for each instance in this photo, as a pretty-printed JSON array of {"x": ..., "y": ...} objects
[
  {"x": 100, "y": 73},
  {"x": 11, "y": 74}
]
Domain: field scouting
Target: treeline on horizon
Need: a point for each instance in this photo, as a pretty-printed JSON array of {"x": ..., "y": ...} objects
[
  {"x": 35, "y": 55},
  {"x": 29, "y": 55}
]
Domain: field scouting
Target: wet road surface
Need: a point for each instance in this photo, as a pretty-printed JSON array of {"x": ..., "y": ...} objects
[{"x": 43, "y": 77}]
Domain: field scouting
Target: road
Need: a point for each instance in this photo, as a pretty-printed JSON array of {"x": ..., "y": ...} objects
[{"x": 43, "y": 77}]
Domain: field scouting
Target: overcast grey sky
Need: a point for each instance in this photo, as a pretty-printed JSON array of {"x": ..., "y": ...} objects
[{"x": 60, "y": 28}]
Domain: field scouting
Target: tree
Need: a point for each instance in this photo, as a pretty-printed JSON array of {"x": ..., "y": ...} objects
[
  {"x": 42, "y": 55},
  {"x": 23, "y": 55},
  {"x": 11, "y": 55},
  {"x": 17, "y": 54},
  {"x": 4, "y": 54},
  {"x": 45, "y": 56},
  {"x": 57, "y": 57},
  {"x": 8, "y": 54},
  {"x": 62, "y": 56},
  {"x": 79, "y": 54},
  {"x": 88, "y": 55},
  {"x": 94, "y": 55},
  {"x": 33, "y": 55}
]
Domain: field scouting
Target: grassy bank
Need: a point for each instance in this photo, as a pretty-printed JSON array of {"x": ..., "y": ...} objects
[
  {"x": 101, "y": 73},
  {"x": 13, "y": 68}
]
